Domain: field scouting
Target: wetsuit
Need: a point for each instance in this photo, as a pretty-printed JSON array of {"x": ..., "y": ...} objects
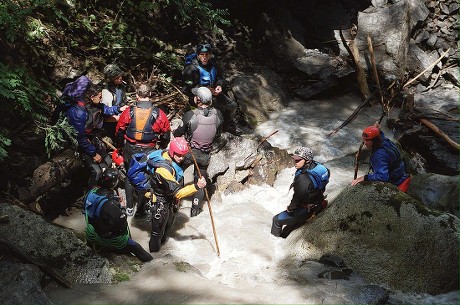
[
  {"x": 141, "y": 128},
  {"x": 200, "y": 127},
  {"x": 306, "y": 201},
  {"x": 106, "y": 224},
  {"x": 87, "y": 119},
  {"x": 166, "y": 180}
]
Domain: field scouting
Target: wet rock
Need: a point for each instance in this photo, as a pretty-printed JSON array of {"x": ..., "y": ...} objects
[
  {"x": 370, "y": 294},
  {"x": 332, "y": 260},
  {"x": 336, "y": 274}
]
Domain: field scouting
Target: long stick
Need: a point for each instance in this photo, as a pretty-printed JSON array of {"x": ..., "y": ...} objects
[
  {"x": 357, "y": 159},
  {"x": 428, "y": 68},
  {"x": 209, "y": 201},
  {"x": 438, "y": 131},
  {"x": 374, "y": 67}
]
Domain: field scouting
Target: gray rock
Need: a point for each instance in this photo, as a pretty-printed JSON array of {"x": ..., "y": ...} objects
[{"x": 382, "y": 234}]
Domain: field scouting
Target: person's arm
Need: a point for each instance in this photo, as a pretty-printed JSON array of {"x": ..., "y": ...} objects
[
  {"x": 182, "y": 130},
  {"x": 175, "y": 187},
  {"x": 301, "y": 195},
  {"x": 120, "y": 129},
  {"x": 77, "y": 118},
  {"x": 162, "y": 127},
  {"x": 191, "y": 78},
  {"x": 380, "y": 161}
]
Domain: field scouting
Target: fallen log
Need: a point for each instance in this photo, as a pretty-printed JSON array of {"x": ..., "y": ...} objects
[
  {"x": 43, "y": 266},
  {"x": 438, "y": 131}
]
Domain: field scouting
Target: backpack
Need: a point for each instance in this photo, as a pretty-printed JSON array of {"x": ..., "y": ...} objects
[
  {"x": 93, "y": 203},
  {"x": 137, "y": 173},
  {"x": 319, "y": 176},
  {"x": 189, "y": 58}
]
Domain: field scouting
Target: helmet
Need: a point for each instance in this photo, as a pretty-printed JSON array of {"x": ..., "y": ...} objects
[
  {"x": 109, "y": 178},
  {"x": 304, "y": 153},
  {"x": 112, "y": 71},
  {"x": 178, "y": 146},
  {"x": 204, "y": 94},
  {"x": 117, "y": 158},
  {"x": 370, "y": 133},
  {"x": 203, "y": 48}
]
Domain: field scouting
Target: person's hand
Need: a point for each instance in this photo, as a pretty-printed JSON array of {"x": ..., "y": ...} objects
[
  {"x": 123, "y": 108},
  {"x": 217, "y": 90},
  {"x": 201, "y": 182},
  {"x": 97, "y": 158},
  {"x": 377, "y": 125},
  {"x": 357, "y": 180}
]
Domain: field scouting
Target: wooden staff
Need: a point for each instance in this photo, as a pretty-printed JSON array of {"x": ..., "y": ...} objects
[
  {"x": 209, "y": 201},
  {"x": 357, "y": 159}
]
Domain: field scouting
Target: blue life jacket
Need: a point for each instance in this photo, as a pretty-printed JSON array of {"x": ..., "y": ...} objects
[
  {"x": 207, "y": 78},
  {"x": 156, "y": 160},
  {"x": 93, "y": 203},
  {"x": 319, "y": 175}
]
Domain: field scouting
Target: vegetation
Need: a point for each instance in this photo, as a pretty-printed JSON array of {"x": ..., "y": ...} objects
[{"x": 36, "y": 34}]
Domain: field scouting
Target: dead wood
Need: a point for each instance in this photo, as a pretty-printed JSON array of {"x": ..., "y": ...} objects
[
  {"x": 436, "y": 130},
  {"x": 43, "y": 266},
  {"x": 427, "y": 68},
  {"x": 374, "y": 68}
]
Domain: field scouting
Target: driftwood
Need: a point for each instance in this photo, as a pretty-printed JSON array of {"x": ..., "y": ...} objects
[
  {"x": 436, "y": 130},
  {"x": 43, "y": 266},
  {"x": 374, "y": 67},
  {"x": 428, "y": 68},
  {"x": 49, "y": 175},
  {"x": 357, "y": 159}
]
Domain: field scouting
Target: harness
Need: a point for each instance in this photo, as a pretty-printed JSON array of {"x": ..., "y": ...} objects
[{"x": 141, "y": 127}]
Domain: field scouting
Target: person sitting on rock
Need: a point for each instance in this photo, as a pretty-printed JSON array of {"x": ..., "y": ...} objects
[
  {"x": 200, "y": 127},
  {"x": 166, "y": 180},
  {"x": 386, "y": 162},
  {"x": 202, "y": 71},
  {"x": 106, "y": 221},
  {"x": 87, "y": 117},
  {"x": 309, "y": 184}
]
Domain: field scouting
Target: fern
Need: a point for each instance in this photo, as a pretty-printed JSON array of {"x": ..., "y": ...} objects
[{"x": 59, "y": 136}]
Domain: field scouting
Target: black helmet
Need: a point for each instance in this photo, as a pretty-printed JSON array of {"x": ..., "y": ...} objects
[{"x": 109, "y": 178}]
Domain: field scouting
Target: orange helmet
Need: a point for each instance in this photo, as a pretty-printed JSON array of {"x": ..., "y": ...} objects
[
  {"x": 178, "y": 146},
  {"x": 117, "y": 158},
  {"x": 370, "y": 133}
]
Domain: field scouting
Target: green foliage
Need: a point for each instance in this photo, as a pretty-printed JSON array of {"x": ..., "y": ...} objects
[{"x": 59, "y": 135}]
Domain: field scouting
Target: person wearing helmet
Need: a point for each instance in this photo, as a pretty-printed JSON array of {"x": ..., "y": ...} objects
[
  {"x": 386, "y": 163},
  {"x": 114, "y": 94},
  {"x": 140, "y": 129},
  {"x": 200, "y": 127},
  {"x": 166, "y": 180},
  {"x": 87, "y": 117},
  {"x": 309, "y": 185},
  {"x": 204, "y": 72},
  {"x": 106, "y": 224}
]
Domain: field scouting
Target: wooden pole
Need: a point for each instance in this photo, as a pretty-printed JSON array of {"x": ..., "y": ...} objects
[{"x": 209, "y": 202}]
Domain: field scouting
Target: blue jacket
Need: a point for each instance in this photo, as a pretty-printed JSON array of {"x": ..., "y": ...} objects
[
  {"x": 387, "y": 164},
  {"x": 85, "y": 123}
]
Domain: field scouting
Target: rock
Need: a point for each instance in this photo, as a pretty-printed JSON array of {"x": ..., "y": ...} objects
[
  {"x": 370, "y": 294},
  {"x": 332, "y": 260},
  {"x": 336, "y": 274},
  {"x": 21, "y": 284},
  {"x": 418, "y": 61},
  {"x": 382, "y": 234}
]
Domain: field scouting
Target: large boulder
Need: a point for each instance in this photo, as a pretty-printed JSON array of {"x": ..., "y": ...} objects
[
  {"x": 56, "y": 247},
  {"x": 387, "y": 237}
]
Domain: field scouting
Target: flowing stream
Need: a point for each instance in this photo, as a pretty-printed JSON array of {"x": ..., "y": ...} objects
[{"x": 250, "y": 268}]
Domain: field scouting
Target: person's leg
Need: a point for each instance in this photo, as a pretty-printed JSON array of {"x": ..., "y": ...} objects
[
  {"x": 228, "y": 108},
  {"x": 288, "y": 219},
  {"x": 160, "y": 216},
  {"x": 136, "y": 249},
  {"x": 202, "y": 160},
  {"x": 169, "y": 224}
]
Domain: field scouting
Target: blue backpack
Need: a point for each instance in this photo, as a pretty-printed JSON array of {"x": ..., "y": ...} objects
[
  {"x": 319, "y": 176},
  {"x": 93, "y": 203},
  {"x": 189, "y": 58}
]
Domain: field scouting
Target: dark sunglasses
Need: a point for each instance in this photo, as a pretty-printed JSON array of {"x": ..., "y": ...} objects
[
  {"x": 297, "y": 160},
  {"x": 206, "y": 47}
]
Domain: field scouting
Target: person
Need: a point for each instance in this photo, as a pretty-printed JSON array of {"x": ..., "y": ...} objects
[
  {"x": 86, "y": 116},
  {"x": 200, "y": 127},
  {"x": 203, "y": 71},
  {"x": 167, "y": 188},
  {"x": 114, "y": 94},
  {"x": 309, "y": 184},
  {"x": 106, "y": 224},
  {"x": 385, "y": 160},
  {"x": 140, "y": 129}
]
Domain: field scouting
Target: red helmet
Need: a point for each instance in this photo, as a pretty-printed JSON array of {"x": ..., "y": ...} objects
[
  {"x": 178, "y": 146},
  {"x": 370, "y": 133},
  {"x": 117, "y": 158}
]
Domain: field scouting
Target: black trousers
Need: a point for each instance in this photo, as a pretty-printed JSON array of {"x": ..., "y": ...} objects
[
  {"x": 163, "y": 215},
  {"x": 202, "y": 159}
]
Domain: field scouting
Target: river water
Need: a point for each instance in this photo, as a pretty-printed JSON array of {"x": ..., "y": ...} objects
[{"x": 250, "y": 268}]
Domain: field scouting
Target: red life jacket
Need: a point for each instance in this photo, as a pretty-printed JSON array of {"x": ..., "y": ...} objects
[{"x": 141, "y": 127}]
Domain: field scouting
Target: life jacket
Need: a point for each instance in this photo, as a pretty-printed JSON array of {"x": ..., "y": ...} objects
[
  {"x": 319, "y": 176},
  {"x": 143, "y": 164},
  {"x": 396, "y": 166},
  {"x": 117, "y": 95},
  {"x": 95, "y": 118},
  {"x": 203, "y": 129},
  {"x": 142, "y": 120},
  {"x": 207, "y": 78},
  {"x": 93, "y": 203}
]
